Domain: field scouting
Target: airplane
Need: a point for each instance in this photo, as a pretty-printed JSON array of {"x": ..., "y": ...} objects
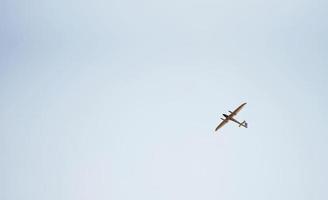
[{"x": 230, "y": 118}]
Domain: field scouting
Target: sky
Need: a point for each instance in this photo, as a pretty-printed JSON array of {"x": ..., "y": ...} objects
[{"x": 119, "y": 99}]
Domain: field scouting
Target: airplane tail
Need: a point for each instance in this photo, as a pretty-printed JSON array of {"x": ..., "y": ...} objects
[{"x": 244, "y": 124}]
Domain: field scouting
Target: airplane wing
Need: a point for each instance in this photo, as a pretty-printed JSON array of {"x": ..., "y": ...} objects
[
  {"x": 235, "y": 112},
  {"x": 222, "y": 124}
]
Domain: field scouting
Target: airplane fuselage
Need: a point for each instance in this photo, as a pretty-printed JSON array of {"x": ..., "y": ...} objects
[
  {"x": 226, "y": 116},
  {"x": 232, "y": 119}
]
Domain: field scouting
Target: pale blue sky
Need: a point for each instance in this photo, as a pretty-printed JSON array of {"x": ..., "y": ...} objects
[{"x": 119, "y": 99}]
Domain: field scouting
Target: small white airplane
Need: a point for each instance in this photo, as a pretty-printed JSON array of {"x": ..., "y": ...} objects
[{"x": 230, "y": 118}]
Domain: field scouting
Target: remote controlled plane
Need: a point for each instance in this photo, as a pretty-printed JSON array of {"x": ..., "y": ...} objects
[{"x": 230, "y": 118}]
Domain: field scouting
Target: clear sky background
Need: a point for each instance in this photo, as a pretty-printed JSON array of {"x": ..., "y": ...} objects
[{"x": 119, "y": 99}]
